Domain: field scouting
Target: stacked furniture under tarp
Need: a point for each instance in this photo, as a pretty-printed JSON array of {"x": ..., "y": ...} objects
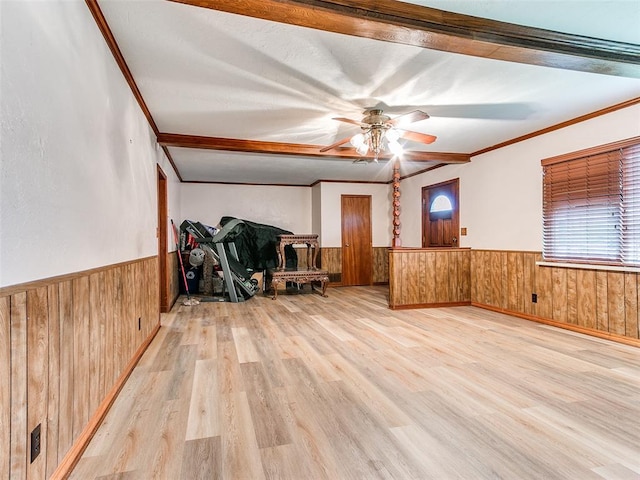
[
  {"x": 256, "y": 243},
  {"x": 236, "y": 277}
]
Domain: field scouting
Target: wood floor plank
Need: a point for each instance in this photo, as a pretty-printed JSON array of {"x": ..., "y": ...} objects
[
  {"x": 128, "y": 414},
  {"x": 240, "y": 453},
  {"x": 573, "y": 429},
  {"x": 269, "y": 331},
  {"x": 436, "y": 460},
  {"x": 167, "y": 350},
  {"x": 368, "y": 394},
  {"x": 337, "y": 388},
  {"x": 120, "y": 476},
  {"x": 286, "y": 462},
  {"x": 201, "y": 459},
  {"x": 229, "y": 373},
  {"x": 269, "y": 354},
  {"x": 313, "y": 359},
  {"x": 393, "y": 333},
  {"x": 616, "y": 472},
  {"x": 244, "y": 346},
  {"x": 403, "y": 374},
  {"x": 310, "y": 439},
  {"x": 207, "y": 342},
  {"x": 333, "y": 328},
  {"x": 267, "y": 412},
  {"x": 203, "y": 418},
  {"x": 167, "y": 457}
]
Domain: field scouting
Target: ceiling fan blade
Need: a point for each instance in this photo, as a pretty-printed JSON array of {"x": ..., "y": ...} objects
[
  {"x": 347, "y": 120},
  {"x": 334, "y": 145},
  {"x": 417, "y": 137},
  {"x": 407, "y": 118}
]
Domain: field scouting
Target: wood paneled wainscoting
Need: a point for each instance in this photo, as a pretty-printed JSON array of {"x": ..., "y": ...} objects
[
  {"x": 67, "y": 344},
  {"x": 597, "y": 302},
  {"x": 428, "y": 277},
  {"x": 330, "y": 259},
  {"x": 380, "y": 265}
]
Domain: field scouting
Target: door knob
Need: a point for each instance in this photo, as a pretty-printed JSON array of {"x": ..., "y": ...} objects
[{"x": 346, "y": 244}]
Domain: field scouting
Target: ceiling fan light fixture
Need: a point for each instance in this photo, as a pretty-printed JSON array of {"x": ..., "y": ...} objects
[
  {"x": 358, "y": 140},
  {"x": 379, "y": 134},
  {"x": 395, "y": 148},
  {"x": 392, "y": 135},
  {"x": 363, "y": 148}
]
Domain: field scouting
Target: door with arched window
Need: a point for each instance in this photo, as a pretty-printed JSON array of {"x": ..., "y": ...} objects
[{"x": 440, "y": 216}]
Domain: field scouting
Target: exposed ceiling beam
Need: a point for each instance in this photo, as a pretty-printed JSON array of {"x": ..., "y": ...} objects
[
  {"x": 277, "y": 148},
  {"x": 420, "y": 26}
]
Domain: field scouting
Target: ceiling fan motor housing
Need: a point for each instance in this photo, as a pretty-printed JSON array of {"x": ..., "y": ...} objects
[
  {"x": 375, "y": 123},
  {"x": 375, "y": 117},
  {"x": 379, "y": 129}
]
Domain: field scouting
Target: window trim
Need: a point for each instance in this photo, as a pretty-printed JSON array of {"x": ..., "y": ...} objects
[
  {"x": 582, "y": 155},
  {"x": 591, "y": 151},
  {"x": 588, "y": 266}
]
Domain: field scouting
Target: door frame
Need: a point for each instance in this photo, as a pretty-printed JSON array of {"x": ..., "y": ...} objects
[
  {"x": 426, "y": 233},
  {"x": 161, "y": 234},
  {"x": 370, "y": 234}
]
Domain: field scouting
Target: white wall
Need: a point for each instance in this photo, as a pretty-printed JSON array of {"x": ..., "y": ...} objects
[
  {"x": 316, "y": 209},
  {"x": 78, "y": 159},
  {"x": 501, "y": 191},
  {"x": 381, "y": 211},
  {"x": 174, "y": 204},
  {"x": 288, "y": 208},
  {"x": 298, "y": 209}
]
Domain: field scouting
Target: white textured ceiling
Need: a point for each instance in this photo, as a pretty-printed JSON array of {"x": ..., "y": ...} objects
[{"x": 209, "y": 73}]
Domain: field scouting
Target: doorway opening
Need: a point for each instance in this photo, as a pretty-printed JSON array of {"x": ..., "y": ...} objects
[
  {"x": 440, "y": 214},
  {"x": 357, "y": 246},
  {"x": 163, "y": 278}
]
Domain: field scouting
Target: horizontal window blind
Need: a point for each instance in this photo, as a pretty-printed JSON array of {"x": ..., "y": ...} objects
[
  {"x": 591, "y": 206},
  {"x": 631, "y": 205}
]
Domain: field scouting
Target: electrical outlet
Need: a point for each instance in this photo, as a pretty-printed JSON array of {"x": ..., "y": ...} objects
[
  {"x": 139, "y": 323},
  {"x": 534, "y": 297},
  {"x": 35, "y": 442}
]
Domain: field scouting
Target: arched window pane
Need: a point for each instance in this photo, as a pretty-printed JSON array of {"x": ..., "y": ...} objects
[{"x": 441, "y": 204}]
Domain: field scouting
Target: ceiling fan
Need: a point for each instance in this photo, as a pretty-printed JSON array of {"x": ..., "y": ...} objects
[{"x": 380, "y": 132}]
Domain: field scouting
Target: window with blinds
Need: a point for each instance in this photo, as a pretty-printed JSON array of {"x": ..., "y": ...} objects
[{"x": 591, "y": 205}]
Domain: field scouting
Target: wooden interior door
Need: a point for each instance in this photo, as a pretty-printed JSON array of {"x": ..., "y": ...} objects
[
  {"x": 357, "y": 248},
  {"x": 440, "y": 220},
  {"x": 163, "y": 276}
]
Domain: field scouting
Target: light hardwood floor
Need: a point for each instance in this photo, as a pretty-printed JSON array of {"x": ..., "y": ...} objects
[{"x": 307, "y": 387}]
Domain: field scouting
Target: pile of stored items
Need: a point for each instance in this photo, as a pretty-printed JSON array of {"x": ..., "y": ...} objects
[{"x": 229, "y": 256}]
